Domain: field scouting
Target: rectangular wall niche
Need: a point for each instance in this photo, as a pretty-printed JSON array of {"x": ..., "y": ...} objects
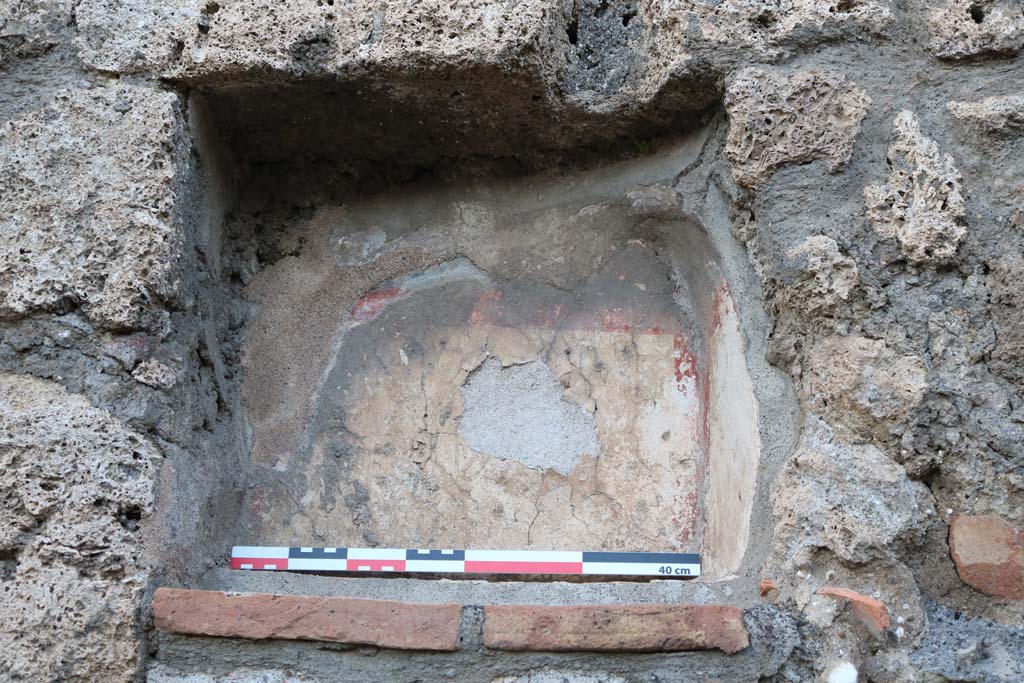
[{"x": 551, "y": 362}]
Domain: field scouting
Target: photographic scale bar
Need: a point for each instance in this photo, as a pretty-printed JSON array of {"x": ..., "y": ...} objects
[{"x": 428, "y": 561}]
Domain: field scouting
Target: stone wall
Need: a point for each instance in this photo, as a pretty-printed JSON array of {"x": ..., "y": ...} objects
[{"x": 865, "y": 157}]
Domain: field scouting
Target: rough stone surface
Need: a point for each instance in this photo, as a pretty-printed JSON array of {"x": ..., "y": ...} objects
[
  {"x": 758, "y": 30},
  {"x": 776, "y": 119},
  {"x": 989, "y": 555},
  {"x": 77, "y": 485},
  {"x": 31, "y": 29},
  {"x": 155, "y": 374},
  {"x": 993, "y": 115},
  {"x": 921, "y": 206},
  {"x": 106, "y": 27},
  {"x": 262, "y": 35},
  {"x": 827, "y": 277},
  {"x": 629, "y": 628},
  {"x": 866, "y": 389},
  {"x": 957, "y": 647},
  {"x": 1008, "y": 315},
  {"x": 852, "y": 500},
  {"x": 101, "y": 236},
  {"x": 966, "y": 28},
  {"x": 379, "y": 623}
]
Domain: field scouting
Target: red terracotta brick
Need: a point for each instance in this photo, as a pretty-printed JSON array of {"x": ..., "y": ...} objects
[
  {"x": 989, "y": 555},
  {"x": 383, "y": 623},
  {"x": 872, "y": 613},
  {"x": 615, "y": 628}
]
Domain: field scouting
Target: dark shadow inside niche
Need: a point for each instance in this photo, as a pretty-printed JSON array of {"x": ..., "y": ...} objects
[{"x": 310, "y": 139}]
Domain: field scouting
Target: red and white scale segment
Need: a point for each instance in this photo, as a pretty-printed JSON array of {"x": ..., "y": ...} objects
[{"x": 309, "y": 559}]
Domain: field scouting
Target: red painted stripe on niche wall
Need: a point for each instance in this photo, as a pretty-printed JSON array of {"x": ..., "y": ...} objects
[
  {"x": 524, "y": 567},
  {"x": 372, "y": 303}
]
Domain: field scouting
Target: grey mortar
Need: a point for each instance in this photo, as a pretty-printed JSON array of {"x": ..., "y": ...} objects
[{"x": 518, "y": 412}]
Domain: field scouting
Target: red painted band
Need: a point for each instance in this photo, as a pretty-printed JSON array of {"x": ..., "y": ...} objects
[{"x": 524, "y": 567}]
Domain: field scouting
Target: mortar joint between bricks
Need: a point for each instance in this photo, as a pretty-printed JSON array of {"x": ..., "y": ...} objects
[{"x": 471, "y": 628}]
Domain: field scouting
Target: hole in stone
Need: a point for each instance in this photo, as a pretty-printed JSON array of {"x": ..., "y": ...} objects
[
  {"x": 977, "y": 13},
  {"x": 572, "y": 31},
  {"x": 8, "y": 563},
  {"x": 129, "y": 517}
]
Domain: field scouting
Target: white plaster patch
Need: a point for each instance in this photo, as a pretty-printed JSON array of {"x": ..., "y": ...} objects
[
  {"x": 360, "y": 248},
  {"x": 518, "y": 413},
  {"x": 844, "y": 672}
]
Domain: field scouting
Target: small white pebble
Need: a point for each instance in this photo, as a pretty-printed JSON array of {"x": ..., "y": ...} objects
[
  {"x": 844, "y": 672},
  {"x": 900, "y": 632},
  {"x": 906, "y": 606},
  {"x": 900, "y": 620},
  {"x": 949, "y": 511}
]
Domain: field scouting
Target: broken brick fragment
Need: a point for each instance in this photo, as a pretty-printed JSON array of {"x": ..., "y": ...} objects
[
  {"x": 872, "y": 613},
  {"x": 989, "y": 555},
  {"x": 766, "y": 586}
]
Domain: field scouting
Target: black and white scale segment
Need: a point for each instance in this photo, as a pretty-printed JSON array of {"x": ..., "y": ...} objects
[{"x": 429, "y": 561}]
